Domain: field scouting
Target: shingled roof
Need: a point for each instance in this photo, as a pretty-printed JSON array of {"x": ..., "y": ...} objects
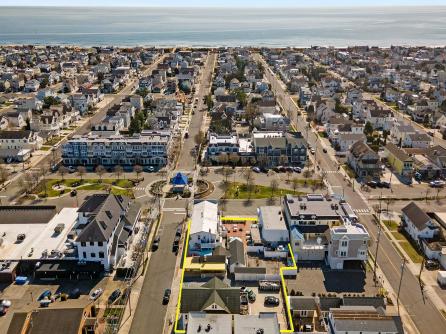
[
  {"x": 107, "y": 216},
  {"x": 215, "y": 291}
]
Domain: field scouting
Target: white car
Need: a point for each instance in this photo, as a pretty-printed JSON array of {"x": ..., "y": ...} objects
[
  {"x": 96, "y": 294},
  {"x": 256, "y": 169},
  {"x": 6, "y": 303},
  {"x": 437, "y": 184}
]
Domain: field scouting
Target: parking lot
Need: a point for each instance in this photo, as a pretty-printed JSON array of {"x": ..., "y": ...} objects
[
  {"x": 317, "y": 278},
  {"x": 24, "y": 297}
]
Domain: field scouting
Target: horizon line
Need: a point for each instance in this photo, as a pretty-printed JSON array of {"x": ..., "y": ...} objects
[{"x": 220, "y": 6}]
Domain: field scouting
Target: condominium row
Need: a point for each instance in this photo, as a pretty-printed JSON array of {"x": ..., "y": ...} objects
[{"x": 146, "y": 149}]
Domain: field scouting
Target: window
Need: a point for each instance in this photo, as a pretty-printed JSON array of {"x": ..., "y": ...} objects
[
  {"x": 343, "y": 254},
  {"x": 100, "y": 243},
  {"x": 93, "y": 254},
  {"x": 91, "y": 243},
  {"x": 101, "y": 255},
  {"x": 344, "y": 243},
  {"x": 84, "y": 254},
  {"x": 83, "y": 244}
]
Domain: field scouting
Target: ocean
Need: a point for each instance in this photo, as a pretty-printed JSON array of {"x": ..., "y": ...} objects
[{"x": 295, "y": 27}]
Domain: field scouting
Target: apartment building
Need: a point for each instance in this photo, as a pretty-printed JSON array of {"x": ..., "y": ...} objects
[{"x": 146, "y": 149}]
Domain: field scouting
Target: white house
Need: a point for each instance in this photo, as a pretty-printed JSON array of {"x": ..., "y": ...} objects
[
  {"x": 347, "y": 243},
  {"x": 205, "y": 229},
  {"x": 417, "y": 223}
]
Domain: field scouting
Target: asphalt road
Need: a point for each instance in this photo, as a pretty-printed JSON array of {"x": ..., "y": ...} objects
[
  {"x": 13, "y": 189},
  {"x": 186, "y": 161},
  {"x": 150, "y": 312},
  {"x": 423, "y": 312}
]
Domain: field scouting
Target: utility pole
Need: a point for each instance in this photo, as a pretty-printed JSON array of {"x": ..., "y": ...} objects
[
  {"x": 399, "y": 286},
  {"x": 378, "y": 239},
  {"x": 421, "y": 270}
]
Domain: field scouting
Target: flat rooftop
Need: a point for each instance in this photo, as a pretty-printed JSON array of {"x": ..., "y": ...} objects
[{"x": 38, "y": 236}]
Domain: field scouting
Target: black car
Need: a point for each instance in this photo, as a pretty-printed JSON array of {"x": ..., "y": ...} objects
[
  {"x": 372, "y": 184},
  {"x": 324, "y": 150},
  {"x": 178, "y": 231},
  {"x": 272, "y": 301},
  {"x": 431, "y": 265},
  {"x": 156, "y": 244},
  {"x": 73, "y": 193},
  {"x": 384, "y": 184},
  {"x": 166, "y": 296},
  {"x": 75, "y": 293},
  {"x": 114, "y": 295}
]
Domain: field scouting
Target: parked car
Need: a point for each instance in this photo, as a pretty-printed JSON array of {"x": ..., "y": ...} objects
[
  {"x": 324, "y": 150},
  {"x": 73, "y": 193},
  {"x": 96, "y": 294},
  {"x": 384, "y": 184},
  {"x": 3, "y": 310},
  {"x": 75, "y": 293},
  {"x": 437, "y": 184},
  {"x": 297, "y": 169},
  {"x": 150, "y": 169},
  {"x": 44, "y": 295},
  {"x": 166, "y": 296},
  {"x": 156, "y": 243},
  {"x": 71, "y": 169},
  {"x": 372, "y": 184},
  {"x": 271, "y": 301},
  {"x": 251, "y": 296},
  {"x": 431, "y": 265},
  {"x": 312, "y": 151},
  {"x": 256, "y": 169},
  {"x": 264, "y": 170},
  {"x": 6, "y": 303},
  {"x": 114, "y": 296}
]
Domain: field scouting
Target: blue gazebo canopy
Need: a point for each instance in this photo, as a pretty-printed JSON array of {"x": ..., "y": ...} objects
[{"x": 180, "y": 179}]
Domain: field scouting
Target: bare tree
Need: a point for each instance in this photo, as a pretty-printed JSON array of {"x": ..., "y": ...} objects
[
  {"x": 199, "y": 138},
  {"x": 138, "y": 170},
  {"x": 437, "y": 196},
  {"x": 62, "y": 171},
  {"x": 288, "y": 176},
  {"x": 427, "y": 194},
  {"x": 3, "y": 174},
  {"x": 118, "y": 170},
  {"x": 81, "y": 170},
  {"x": 226, "y": 173},
  {"x": 234, "y": 158},
  {"x": 223, "y": 158},
  {"x": 389, "y": 202},
  {"x": 274, "y": 185},
  {"x": 247, "y": 175},
  {"x": 295, "y": 183},
  {"x": 100, "y": 170}
]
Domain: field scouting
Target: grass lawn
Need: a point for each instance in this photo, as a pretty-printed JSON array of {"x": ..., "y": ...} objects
[
  {"x": 322, "y": 134},
  {"x": 45, "y": 148},
  {"x": 412, "y": 252},
  {"x": 349, "y": 171},
  {"x": 86, "y": 184},
  {"x": 54, "y": 140},
  {"x": 391, "y": 224},
  {"x": 398, "y": 236},
  {"x": 239, "y": 191}
]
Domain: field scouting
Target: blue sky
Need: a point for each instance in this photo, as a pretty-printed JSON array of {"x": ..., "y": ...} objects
[{"x": 221, "y": 3}]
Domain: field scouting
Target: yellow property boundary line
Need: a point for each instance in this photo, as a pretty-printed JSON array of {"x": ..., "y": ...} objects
[{"x": 284, "y": 288}]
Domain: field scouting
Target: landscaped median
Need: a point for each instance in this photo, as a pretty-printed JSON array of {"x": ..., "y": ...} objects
[
  {"x": 237, "y": 190},
  {"x": 59, "y": 187}
]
